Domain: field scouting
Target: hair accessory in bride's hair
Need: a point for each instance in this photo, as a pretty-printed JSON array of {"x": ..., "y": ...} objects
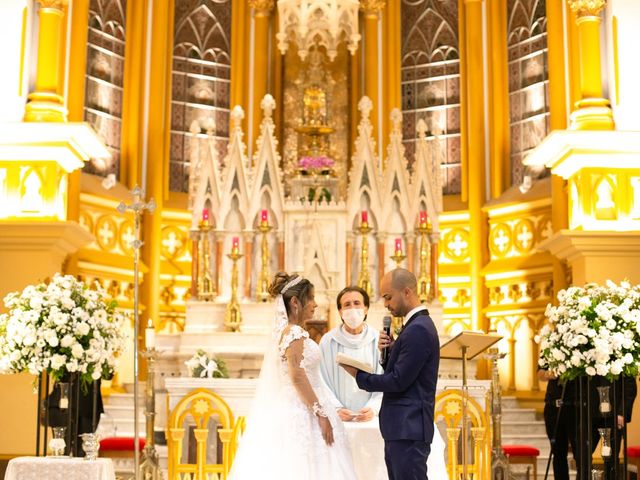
[
  {"x": 318, "y": 410},
  {"x": 292, "y": 283}
]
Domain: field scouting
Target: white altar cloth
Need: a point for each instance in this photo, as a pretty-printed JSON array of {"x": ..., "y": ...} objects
[
  {"x": 59, "y": 468},
  {"x": 367, "y": 449}
]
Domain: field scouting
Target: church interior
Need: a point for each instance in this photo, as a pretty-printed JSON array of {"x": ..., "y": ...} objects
[{"x": 181, "y": 152}]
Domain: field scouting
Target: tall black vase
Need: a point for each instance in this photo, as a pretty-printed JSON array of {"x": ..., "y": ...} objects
[
  {"x": 589, "y": 418},
  {"x": 53, "y": 413}
]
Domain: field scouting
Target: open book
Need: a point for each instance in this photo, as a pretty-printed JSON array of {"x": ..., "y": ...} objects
[{"x": 360, "y": 365}]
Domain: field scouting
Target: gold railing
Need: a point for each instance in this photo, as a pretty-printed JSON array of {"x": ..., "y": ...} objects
[
  {"x": 449, "y": 408},
  {"x": 200, "y": 405}
]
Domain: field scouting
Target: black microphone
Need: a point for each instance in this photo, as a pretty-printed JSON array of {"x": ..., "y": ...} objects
[{"x": 386, "y": 327}]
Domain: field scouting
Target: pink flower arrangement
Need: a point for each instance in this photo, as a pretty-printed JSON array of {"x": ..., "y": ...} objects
[{"x": 320, "y": 162}]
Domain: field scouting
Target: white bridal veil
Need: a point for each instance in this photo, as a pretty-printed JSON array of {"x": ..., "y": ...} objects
[{"x": 260, "y": 447}]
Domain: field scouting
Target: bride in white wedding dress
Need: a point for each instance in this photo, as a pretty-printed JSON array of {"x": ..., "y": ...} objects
[{"x": 292, "y": 433}]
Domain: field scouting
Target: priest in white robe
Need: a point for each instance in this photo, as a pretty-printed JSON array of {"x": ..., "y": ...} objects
[{"x": 356, "y": 339}]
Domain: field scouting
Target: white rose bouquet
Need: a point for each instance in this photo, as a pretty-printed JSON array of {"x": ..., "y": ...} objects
[
  {"x": 203, "y": 365},
  {"x": 594, "y": 331},
  {"x": 61, "y": 327}
]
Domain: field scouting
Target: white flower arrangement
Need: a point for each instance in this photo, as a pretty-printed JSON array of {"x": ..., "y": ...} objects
[
  {"x": 61, "y": 327},
  {"x": 203, "y": 365},
  {"x": 593, "y": 331}
]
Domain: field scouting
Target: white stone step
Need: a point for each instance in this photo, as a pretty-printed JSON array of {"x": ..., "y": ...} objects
[
  {"x": 520, "y": 414},
  {"x": 522, "y": 428},
  {"x": 126, "y": 399}
]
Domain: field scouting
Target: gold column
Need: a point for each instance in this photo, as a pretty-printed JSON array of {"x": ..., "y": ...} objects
[
  {"x": 238, "y": 56},
  {"x": 75, "y": 99},
  {"x": 392, "y": 63},
  {"x": 558, "y": 121},
  {"x": 355, "y": 93},
  {"x": 593, "y": 112},
  {"x": 45, "y": 104},
  {"x": 157, "y": 156},
  {"x": 133, "y": 100},
  {"x": 464, "y": 122},
  {"x": 499, "y": 98},
  {"x": 372, "y": 9},
  {"x": 78, "y": 63},
  {"x": 261, "y": 12},
  {"x": 473, "y": 85}
]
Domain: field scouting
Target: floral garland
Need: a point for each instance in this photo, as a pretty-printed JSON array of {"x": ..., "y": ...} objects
[
  {"x": 61, "y": 327},
  {"x": 319, "y": 162},
  {"x": 594, "y": 331},
  {"x": 203, "y": 365}
]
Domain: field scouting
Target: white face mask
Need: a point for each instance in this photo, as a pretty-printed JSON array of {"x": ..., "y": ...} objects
[{"x": 353, "y": 317}]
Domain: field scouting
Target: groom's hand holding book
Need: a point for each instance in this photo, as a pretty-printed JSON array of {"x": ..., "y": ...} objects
[{"x": 353, "y": 364}]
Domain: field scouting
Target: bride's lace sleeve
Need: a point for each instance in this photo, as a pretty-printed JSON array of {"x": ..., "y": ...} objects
[{"x": 292, "y": 348}]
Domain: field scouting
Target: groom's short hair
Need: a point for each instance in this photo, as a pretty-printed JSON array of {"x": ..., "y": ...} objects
[{"x": 353, "y": 288}]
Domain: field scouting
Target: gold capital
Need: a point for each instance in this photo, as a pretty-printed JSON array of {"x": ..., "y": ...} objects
[
  {"x": 262, "y": 7},
  {"x": 57, "y": 4},
  {"x": 371, "y": 7},
  {"x": 587, "y": 8}
]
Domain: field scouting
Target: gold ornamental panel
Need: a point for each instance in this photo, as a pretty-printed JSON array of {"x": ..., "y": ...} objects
[
  {"x": 544, "y": 229},
  {"x": 126, "y": 236},
  {"x": 173, "y": 242},
  {"x": 85, "y": 221},
  {"x": 105, "y": 232},
  {"x": 524, "y": 236},
  {"x": 500, "y": 240},
  {"x": 456, "y": 244}
]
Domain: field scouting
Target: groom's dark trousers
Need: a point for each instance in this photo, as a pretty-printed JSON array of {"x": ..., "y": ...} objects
[{"x": 409, "y": 386}]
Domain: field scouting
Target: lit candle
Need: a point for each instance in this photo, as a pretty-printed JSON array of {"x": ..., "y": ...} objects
[
  {"x": 64, "y": 403},
  {"x": 606, "y": 451},
  {"x": 605, "y": 407},
  {"x": 364, "y": 216},
  {"x": 423, "y": 217},
  {"x": 150, "y": 336},
  {"x": 235, "y": 242},
  {"x": 264, "y": 215},
  {"x": 205, "y": 215},
  {"x": 398, "y": 245}
]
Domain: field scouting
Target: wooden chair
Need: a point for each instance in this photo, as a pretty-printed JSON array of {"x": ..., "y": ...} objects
[
  {"x": 633, "y": 458},
  {"x": 199, "y": 406},
  {"x": 523, "y": 455},
  {"x": 449, "y": 408}
]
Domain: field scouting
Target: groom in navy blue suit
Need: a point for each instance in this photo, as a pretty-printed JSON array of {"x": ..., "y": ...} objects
[{"x": 408, "y": 382}]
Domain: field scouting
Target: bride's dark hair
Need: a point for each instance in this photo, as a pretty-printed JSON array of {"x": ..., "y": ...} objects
[{"x": 301, "y": 290}]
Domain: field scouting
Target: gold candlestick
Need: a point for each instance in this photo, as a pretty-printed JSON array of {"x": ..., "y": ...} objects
[
  {"x": 206, "y": 286},
  {"x": 363, "y": 277},
  {"x": 149, "y": 465},
  {"x": 423, "y": 276},
  {"x": 263, "y": 281},
  {"x": 398, "y": 257},
  {"x": 233, "y": 318}
]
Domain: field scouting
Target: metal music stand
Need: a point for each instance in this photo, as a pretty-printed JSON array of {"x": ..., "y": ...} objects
[{"x": 466, "y": 346}]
